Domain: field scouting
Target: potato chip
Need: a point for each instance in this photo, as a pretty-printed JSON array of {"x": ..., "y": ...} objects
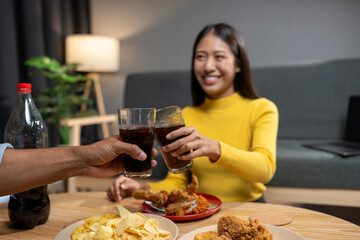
[
  {"x": 163, "y": 232},
  {"x": 154, "y": 222},
  {"x": 129, "y": 236},
  {"x": 122, "y": 226},
  {"x": 103, "y": 232},
  {"x": 136, "y": 220},
  {"x": 145, "y": 233},
  {"x": 149, "y": 238},
  {"x": 122, "y": 211},
  {"x": 90, "y": 220},
  {"x": 94, "y": 227},
  {"x": 112, "y": 222},
  {"x": 89, "y": 236},
  {"x": 150, "y": 229},
  {"x": 136, "y": 232},
  {"x": 140, "y": 215}
]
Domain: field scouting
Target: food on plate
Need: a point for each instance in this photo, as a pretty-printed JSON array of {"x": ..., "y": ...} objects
[
  {"x": 193, "y": 186},
  {"x": 124, "y": 226},
  {"x": 181, "y": 208},
  {"x": 178, "y": 195},
  {"x": 234, "y": 228},
  {"x": 210, "y": 235},
  {"x": 157, "y": 198},
  {"x": 177, "y": 202}
]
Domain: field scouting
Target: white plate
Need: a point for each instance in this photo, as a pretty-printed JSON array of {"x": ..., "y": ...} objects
[
  {"x": 164, "y": 223},
  {"x": 278, "y": 233}
]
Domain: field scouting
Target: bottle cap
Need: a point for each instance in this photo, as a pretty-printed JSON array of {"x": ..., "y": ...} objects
[{"x": 24, "y": 87}]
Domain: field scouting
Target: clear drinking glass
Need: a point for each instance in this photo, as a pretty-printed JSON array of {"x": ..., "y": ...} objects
[
  {"x": 136, "y": 125},
  {"x": 169, "y": 119}
]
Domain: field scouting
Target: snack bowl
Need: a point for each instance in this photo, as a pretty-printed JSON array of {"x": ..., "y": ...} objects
[{"x": 164, "y": 224}]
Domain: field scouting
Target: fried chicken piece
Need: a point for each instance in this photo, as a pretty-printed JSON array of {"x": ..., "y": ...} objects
[
  {"x": 202, "y": 206},
  {"x": 177, "y": 202},
  {"x": 178, "y": 195},
  {"x": 193, "y": 186},
  {"x": 161, "y": 198},
  {"x": 178, "y": 208},
  {"x": 210, "y": 235},
  {"x": 198, "y": 205},
  {"x": 157, "y": 198},
  {"x": 238, "y": 229}
]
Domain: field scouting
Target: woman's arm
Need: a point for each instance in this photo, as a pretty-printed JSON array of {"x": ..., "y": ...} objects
[{"x": 256, "y": 163}]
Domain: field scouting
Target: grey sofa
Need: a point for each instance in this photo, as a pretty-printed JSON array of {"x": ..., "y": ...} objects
[{"x": 312, "y": 100}]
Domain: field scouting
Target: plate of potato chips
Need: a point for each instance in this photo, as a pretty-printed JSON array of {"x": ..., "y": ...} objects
[{"x": 125, "y": 226}]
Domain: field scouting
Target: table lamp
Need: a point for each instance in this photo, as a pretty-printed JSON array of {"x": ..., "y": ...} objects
[{"x": 94, "y": 54}]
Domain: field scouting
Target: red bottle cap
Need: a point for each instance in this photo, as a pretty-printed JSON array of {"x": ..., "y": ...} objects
[{"x": 24, "y": 87}]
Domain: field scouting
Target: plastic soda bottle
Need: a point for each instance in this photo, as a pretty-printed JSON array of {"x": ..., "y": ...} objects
[{"x": 26, "y": 129}]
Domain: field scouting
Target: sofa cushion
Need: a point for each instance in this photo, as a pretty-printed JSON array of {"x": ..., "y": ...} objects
[
  {"x": 312, "y": 98},
  {"x": 299, "y": 166}
]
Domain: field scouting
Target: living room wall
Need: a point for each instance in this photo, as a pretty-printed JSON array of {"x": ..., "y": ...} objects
[{"x": 157, "y": 35}]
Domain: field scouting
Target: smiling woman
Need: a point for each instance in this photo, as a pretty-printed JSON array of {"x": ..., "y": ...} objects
[{"x": 230, "y": 133}]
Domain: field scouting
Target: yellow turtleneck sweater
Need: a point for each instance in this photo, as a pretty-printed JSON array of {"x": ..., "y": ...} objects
[{"x": 246, "y": 130}]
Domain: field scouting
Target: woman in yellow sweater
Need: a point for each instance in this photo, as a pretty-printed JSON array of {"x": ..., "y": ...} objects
[{"x": 231, "y": 132}]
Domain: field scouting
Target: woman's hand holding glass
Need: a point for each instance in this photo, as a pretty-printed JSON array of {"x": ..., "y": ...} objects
[
  {"x": 193, "y": 142},
  {"x": 169, "y": 119}
]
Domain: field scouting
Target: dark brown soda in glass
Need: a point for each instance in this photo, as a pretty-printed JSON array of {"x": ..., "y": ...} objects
[
  {"x": 172, "y": 163},
  {"x": 144, "y": 138}
]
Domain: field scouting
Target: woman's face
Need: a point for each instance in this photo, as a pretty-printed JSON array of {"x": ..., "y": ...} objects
[{"x": 215, "y": 67}]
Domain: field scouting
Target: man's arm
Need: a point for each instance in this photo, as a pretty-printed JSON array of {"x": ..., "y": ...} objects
[{"x": 22, "y": 169}]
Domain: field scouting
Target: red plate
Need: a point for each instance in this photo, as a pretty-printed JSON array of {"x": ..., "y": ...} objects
[{"x": 214, "y": 205}]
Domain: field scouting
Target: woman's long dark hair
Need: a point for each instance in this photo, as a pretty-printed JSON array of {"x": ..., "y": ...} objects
[{"x": 243, "y": 80}]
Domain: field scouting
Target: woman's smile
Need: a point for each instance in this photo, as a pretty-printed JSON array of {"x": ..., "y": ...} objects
[{"x": 211, "y": 80}]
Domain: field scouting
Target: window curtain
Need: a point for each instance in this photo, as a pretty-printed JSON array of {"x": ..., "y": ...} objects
[{"x": 31, "y": 28}]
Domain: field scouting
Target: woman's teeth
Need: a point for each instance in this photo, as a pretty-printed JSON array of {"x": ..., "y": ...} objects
[{"x": 210, "y": 79}]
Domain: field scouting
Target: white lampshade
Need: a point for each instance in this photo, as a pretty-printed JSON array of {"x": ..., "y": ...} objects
[{"x": 93, "y": 53}]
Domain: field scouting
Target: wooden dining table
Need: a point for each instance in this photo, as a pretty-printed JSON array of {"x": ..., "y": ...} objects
[{"x": 67, "y": 208}]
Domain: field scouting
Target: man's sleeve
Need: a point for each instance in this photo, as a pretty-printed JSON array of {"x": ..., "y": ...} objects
[{"x": 3, "y": 147}]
